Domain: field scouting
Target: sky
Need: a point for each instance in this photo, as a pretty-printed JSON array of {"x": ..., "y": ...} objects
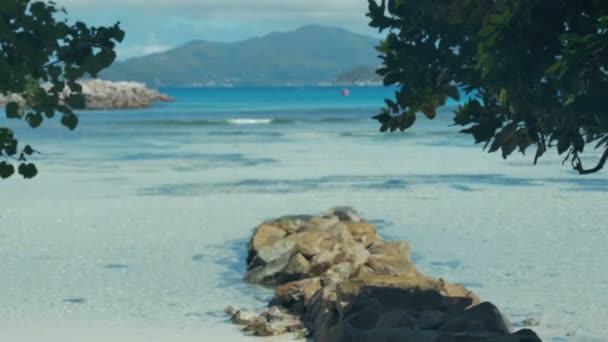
[{"x": 157, "y": 25}]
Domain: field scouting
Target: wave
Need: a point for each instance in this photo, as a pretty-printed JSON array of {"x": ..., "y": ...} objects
[
  {"x": 344, "y": 119},
  {"x": 245, "y": 121},
  {"x": 204, "y": 122}
]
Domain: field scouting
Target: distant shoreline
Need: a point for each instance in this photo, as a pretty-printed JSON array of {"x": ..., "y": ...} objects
[{"x": 346, "y": 85}]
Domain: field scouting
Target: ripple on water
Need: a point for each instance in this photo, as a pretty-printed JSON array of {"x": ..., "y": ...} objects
[
  {"x": 116, "y": 266},
  {"x": 78, "y": 300}
]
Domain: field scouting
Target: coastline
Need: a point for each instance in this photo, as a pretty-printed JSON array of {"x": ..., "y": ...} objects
[{"x": 176, "y": 205}]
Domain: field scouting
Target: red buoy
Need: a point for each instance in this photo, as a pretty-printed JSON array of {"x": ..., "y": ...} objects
[{"x": 345, "y": 92}]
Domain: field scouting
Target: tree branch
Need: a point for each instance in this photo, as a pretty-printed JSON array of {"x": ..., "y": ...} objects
[{"x": 578, "y": 166}]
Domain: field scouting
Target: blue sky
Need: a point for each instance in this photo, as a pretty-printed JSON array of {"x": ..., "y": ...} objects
[{"x": 157, "y": 25}]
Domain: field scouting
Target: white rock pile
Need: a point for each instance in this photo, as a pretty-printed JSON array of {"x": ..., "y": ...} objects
[{"x": 100, "y": 94}]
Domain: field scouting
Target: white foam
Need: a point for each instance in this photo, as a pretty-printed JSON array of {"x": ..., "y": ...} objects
[{"x": 249, "y": 121}]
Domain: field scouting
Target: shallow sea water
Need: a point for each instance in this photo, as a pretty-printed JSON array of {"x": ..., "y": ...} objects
[{"x": 135, "y": 228}]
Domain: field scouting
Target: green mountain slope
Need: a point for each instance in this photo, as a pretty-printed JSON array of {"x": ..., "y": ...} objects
[
  {"x": 307, "y": 56},
  {"x": 359, "y": 75}
]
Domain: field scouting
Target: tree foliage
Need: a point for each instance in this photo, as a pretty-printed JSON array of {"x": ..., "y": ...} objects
[
  {"x": 37, "y": 51},
  {"x": 537, "y": 70}
]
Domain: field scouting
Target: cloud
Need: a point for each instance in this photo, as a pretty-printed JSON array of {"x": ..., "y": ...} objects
[
  {"x": 233, "y": 7},
  {"x": 125, "y": 52}
]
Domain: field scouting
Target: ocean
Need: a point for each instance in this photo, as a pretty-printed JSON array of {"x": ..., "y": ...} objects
[{"x": 136, "y": 227}]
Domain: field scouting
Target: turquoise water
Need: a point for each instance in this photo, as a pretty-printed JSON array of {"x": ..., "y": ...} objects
[{"x": 135, "y": 228}]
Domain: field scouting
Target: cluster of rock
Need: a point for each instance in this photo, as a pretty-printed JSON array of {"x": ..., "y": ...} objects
[
  {"x": 100, "y": 94},
  {"x": 335, "y": 279}
]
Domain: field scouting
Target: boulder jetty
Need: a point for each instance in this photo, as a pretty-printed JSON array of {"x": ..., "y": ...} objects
[{"x": 335, "y": 279}]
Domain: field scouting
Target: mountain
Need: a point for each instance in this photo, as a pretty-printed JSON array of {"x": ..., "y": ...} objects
[
  {"x": 360, "y": 75},
  {"x": 310, "y": 55}
]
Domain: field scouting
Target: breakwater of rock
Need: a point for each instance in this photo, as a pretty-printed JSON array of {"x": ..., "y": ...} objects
[
  {"x": 107, "y": 95},
  {"x": 335, "y": 279}
]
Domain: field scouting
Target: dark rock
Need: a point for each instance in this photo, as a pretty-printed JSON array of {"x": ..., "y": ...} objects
[
  {"x": 530, "y": 322},
  {"x": 244, "y": 317}
]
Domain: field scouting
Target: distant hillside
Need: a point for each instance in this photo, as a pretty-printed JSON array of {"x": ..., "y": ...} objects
[
  {"x": 363, "y": 75},
  {"x": 310, "y": 55}
]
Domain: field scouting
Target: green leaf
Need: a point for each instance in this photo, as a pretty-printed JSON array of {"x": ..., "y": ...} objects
[
  {"x": 28, "y": 150},
  {"x": 6, "y": 134},
  {"x": 6, "y": 170},
  {"x": 54, "y": 71},
  {"x": 430, "y": 112},
  {"x": 34, "y": 119},
  {"x": 407, "y": 121},
  {"x": 12, "y": 110},
  {"x": 385, "y": 46},
  {"x": 454, "y": 93},
  {"x": 384, "y": 128},
  {"x": 390, "y": 79},
  {"x": 392, "y": 106},
  {"x": 76, "y": 101},
  {"x": 28, "y": 171},
  {"x": 70, "y": 121}
]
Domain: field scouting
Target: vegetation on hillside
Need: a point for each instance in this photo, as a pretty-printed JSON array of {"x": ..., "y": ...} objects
[
  {"x": 307, "y": 56},
  {"x": 36, "y": 48},
  {"x": 539, "y": 69},
  {"x": 359, "y": 75}
]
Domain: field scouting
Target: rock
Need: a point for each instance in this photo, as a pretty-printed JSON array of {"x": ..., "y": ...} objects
[
  {"x": 345, "y": 214},
  {"x": 391, "y": 258},
  {"x": 287, "y": 295},
  {"x": 322, "y": 262},
  {"x": 344, "y": 270},
  {"x": 291, "y": 224},
  {"x": 524, "y": 335},
  {"x": 244, "y": 317},
  {"x": 355, "y": 254},
  {"x": 397, "y": 319},
  {"x": 266, "y": 235},
  {"x": 338, "y": 281},
  {"x": 263, "y": 328},
  {"x": 362, "y": 232},
  {"x": 298, "y": 265},
  {"x": 392, "y": 266},
  {"x": 340, "y": 233},
  {"x": 277, "y": 250},
  {"x": 270, "y": 273},
  {"x": 391, "y": 249},
  {"x": 457, "y": 291},
  {"x": 230, "y": 311},
  {"x": 274, "y": 322},
  {"x": 530, "y": 322},
  {"x": 482, "y": 318},
  {"x": 275, "y": 314},
  {"x": 431, "y": 319},
  {"x": 100, "y": 94},
  {"x": 321, "y": 224},
  {"x": 311, "y": 243}
]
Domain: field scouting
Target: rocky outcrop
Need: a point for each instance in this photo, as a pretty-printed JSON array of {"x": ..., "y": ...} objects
[
  {"x": 337, "y": 280},
  {"x": 101, "y": 94},
  {"x": 120, "y": 95}
]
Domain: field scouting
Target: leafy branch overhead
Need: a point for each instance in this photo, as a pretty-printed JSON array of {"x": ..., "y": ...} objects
[
  {"x": 536, "y": 70},
  {"x": 40, "y": 55}
]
